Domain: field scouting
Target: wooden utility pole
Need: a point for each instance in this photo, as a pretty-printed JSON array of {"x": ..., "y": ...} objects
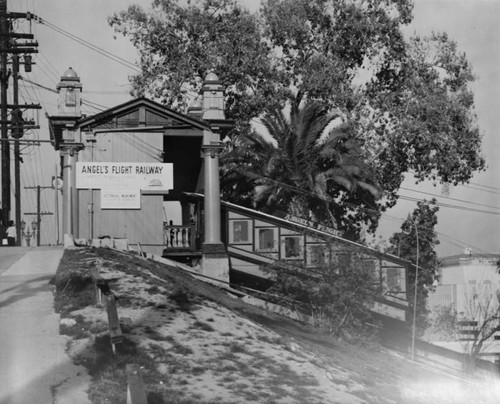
[
  {"x": 38, "y": 213},
  {"x": 4, "y": 83},
  {"x": 17, "y": 132},
  {"x": 10, "y": 45}
]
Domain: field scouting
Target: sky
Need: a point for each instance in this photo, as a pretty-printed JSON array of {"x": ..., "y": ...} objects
[{"x": 473, "y": 24}]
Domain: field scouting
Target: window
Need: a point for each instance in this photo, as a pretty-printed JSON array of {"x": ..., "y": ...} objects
[
  {"x": 266, "y": 239},
  {"x": 473, "y": 289},
  {"x": 317, "y": 255},
  {"x": 292, "y": 247},
  {"x": 393, "y": 279},
  {"x": 240, "y": 231},
  {"x": 70, "y": 98}
]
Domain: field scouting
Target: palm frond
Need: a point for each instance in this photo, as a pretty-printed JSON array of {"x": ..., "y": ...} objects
[
  {"x": 262, "y": 192},
  {"x": 375, "y": 190},
  {"x": 301, "y": 166},
  {"x": 343, "y": 182},
  {"x": 321, "y": 185},
  {"x": 275, "y": 123}
]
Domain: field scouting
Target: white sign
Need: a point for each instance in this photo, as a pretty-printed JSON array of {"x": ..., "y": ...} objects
[
  {"x": 120, "y": 198},
  {"x": 147, "y": 177}
]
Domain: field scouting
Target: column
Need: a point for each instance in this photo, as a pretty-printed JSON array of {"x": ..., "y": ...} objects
[
  {"x": 70, "y": 193},
  {"x": 212, "y": 242},
  {"x": 215, "y": 261}
]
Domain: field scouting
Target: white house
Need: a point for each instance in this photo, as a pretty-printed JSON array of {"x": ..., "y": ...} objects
[
  {"x": 465, "y": 279},
  {"x": 470, "y": 284}
]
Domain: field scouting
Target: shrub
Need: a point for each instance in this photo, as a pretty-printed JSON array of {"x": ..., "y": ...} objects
[{"x": 338, "y": 294}]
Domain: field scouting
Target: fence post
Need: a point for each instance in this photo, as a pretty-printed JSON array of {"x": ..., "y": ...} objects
[
  {"x": 95, "y": 272},
  {"x": 136, "y": 393},
  {"x": 115, "y": 332}
]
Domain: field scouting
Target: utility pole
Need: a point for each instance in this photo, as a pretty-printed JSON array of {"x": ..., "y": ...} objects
[
  {"x": 10, "y": 45},
  {"x": 38, "y": 213},
  {"x": 4, "y": 82},
  {"x": 17, "y": 132}
]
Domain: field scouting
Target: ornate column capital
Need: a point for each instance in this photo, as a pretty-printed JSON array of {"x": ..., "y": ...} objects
[
  {"x": 71, "y": 148},
  {"x": 213, "y": 149}
]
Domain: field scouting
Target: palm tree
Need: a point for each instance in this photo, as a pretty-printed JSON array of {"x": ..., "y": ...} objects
[{"x": 305, "y": 163}]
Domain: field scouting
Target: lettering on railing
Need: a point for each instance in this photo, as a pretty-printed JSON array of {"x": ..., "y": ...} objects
[{"x": 178, "y": 237}]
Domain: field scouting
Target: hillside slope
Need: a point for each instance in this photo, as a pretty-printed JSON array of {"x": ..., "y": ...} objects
[{"x": 197, "y": 344}]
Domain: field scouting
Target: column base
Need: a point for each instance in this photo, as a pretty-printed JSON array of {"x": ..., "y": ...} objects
[
  {"x": 69, "y": 241},
  {"x": 213, "y": 249},
  {"x": 215, "y": 262}
]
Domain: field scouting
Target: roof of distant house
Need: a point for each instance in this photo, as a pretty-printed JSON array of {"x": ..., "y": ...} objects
[{"x": 464, "y": 258}]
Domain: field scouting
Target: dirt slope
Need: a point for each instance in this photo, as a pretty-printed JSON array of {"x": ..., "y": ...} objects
[{"x": 197, "y": 344}]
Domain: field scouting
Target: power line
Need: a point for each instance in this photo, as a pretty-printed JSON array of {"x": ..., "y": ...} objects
[
  {"x": 403, "y": 197},
  {"x": 447, "y": 197},
  {"x": 482, "y": 190},
  {"x": 451, "y": 206},
  {"x": 485, "y": 186},
  {"x": 91, "y": 104},
  {"x": 383, "y": 215},
  {"x": 89, "y": 45},
  {"x": 38, "y": 85}
]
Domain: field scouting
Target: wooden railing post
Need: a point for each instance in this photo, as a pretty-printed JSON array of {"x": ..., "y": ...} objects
[
  {"x": 95, "y": 272},
  {"x": 115, "y": 331},
  {"x": 102, "y": 288}
]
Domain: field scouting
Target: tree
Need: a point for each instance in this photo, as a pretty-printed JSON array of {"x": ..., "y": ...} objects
[
  {"x": 408, "y": 100},
  {"x": 338, "y": 295},
  {"x": 443, "y": 324},
  {"x": 483, "y": 309},
  {"x": 180, "y": 43},
  {"x": 304, "y": 165},
  {"x": 419, "y": 224}
]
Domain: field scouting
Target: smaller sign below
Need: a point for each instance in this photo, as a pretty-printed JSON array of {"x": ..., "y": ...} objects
[
  {"x": 57, "y": 182},
  {"x": 120, "y": 198}
]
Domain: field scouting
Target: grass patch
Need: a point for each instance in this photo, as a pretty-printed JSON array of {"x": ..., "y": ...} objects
[
  {"x": 182, "y": 299},
  {"x": 181, "y": 349},
  {"x": 74, "y": 288},
  {"x": 198, "y": 370},
  {"x": 228, "y": 379},
  {"x": 203, "y": 326},
  {"x": 153, "y": 334},
  {"x": 154, "y": 290},
  {"x": 177, "y": 347},
  {"x": 82, "y": 328},
  {"x": 236, "y": 347},
  {"x": 267, "y": 339}
]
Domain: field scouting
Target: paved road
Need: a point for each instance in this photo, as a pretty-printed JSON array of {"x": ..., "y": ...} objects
[
  {"x": 34, "y": 367},
  {"x": 9, "y": 255}
]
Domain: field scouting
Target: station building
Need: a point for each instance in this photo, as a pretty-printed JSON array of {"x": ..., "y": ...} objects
[{"x": 146, "y": 174}]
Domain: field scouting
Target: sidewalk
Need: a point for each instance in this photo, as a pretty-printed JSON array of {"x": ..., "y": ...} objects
[{"x": 34, "y": 367}]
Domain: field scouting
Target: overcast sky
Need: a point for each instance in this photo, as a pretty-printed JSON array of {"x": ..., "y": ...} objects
[{"x": 472, "y": 23}]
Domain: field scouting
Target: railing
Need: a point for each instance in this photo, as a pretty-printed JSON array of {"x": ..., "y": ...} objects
[{"x": 179, "y": 237}]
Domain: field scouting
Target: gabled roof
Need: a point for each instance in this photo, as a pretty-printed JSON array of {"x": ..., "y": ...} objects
[{"x": 141, "y": 113}]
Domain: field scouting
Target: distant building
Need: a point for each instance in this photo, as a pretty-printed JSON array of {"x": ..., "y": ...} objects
[
  {"x": 466, "y": 278},
  {"x": 471, "y": 285}
]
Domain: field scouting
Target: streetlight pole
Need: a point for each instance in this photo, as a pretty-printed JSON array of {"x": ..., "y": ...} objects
[{"x": 414, "y": 326}]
